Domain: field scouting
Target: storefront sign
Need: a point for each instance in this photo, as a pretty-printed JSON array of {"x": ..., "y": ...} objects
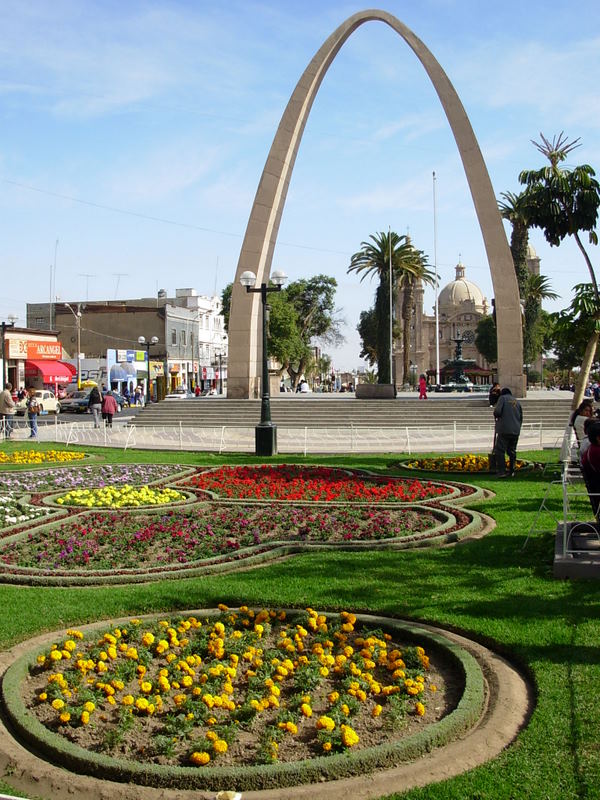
[{"x": 34, "y": 349}]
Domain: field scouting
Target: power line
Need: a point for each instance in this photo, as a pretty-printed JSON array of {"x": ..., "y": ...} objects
[{"x": 163, "y": 220}]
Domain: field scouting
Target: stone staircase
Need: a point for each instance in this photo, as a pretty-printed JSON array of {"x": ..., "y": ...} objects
[{"x": 330, "y": 411}]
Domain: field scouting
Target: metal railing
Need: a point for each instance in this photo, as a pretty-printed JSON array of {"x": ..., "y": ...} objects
[{"x": 307, "y": 440}]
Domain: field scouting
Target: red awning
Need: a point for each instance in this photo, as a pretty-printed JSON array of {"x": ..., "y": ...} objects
[{"x": 52, "y": 371}]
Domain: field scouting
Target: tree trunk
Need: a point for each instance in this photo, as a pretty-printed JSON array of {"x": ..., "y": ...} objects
[
  {"x": 407, "y": 309},
  {"x": 518, "y": 247},
  {"x": 586, "y": 366}
]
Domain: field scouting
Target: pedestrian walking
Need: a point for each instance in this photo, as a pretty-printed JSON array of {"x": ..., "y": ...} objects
[
  {"x": 95, "y": 405},
  {"x": 422, "y": 388},
  {"x": 8, "y": 409},
  {"x": 33, "y": 409},
  {"x": 509, "y": 418},
  {"x": 109, "y": 408}
]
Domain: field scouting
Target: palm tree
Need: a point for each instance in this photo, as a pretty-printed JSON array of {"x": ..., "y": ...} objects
[
  {"x": 514, "y": 209},
  {"x": 374, "y": 259},
  {"x": 565, "y": 202},
  {"x": 537, "y": 289},
  {"x": 413, "y": 272}
]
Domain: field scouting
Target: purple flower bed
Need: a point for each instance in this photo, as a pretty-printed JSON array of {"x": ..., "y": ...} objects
[
  {"x": 87, "y": 477},
  {"x": 104, "y": 541}
]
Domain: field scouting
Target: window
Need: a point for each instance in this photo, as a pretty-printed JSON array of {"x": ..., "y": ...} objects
[
  {"x": 183, "y": 337},
  {"x": 41, "y": 321},
  {"x": 173, "y": 335}
]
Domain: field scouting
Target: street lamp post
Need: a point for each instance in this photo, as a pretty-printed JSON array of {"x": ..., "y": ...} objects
[
  {"x": 147, "y": 343},
  {"x": 77, "y": 315},
  {"x": 5, "y": 325},
  {"x": 266, "y": 430}
]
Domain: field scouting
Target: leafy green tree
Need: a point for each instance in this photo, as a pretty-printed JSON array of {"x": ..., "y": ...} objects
[
  {"x": 573, "y": 327},
  {"x": 373, "y": 259},
  {"x": 565, "y": 202},
  {"x": 367, "y": 330},
  {"x": 486, "y": 339},
  {"x": 302, "y": 311}
]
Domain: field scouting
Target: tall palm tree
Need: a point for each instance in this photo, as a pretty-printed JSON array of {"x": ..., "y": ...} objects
[
  {"x": 374, "y": 259},
  {"x": 564, "y": 201},
  {"x": 537, "y": 289},
  {"x": 514, "y": 209},
  {"x": 412, "y": 272}
]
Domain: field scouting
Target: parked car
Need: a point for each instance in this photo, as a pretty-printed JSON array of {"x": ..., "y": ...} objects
[
  {"x": 77, "y": 402},
  {"x": 46, "y": 400}
]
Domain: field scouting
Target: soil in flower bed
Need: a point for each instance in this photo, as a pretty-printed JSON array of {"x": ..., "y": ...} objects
[
  {"x": 106, "y": 540},
  {"x": 291, "y": 482},
  {"x": 243, "y": 688}
]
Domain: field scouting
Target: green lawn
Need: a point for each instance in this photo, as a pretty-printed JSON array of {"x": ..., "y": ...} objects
[{"x": 492, "y": 589}]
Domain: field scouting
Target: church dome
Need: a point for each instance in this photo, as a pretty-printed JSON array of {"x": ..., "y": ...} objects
[{"x": 460, "y": 291}]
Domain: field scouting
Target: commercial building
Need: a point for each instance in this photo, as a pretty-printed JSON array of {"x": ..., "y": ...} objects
[
  {"x": 184, "y": 337},
  {"x": 33, "y": 358}
]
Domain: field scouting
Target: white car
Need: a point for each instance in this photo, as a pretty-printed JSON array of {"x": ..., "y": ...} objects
[{"x": 47, "y": 401}]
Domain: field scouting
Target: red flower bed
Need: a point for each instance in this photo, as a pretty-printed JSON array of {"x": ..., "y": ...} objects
[{"x": 317, "y": 484}]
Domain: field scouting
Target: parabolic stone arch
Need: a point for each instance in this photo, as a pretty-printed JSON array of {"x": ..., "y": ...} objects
[{"x": 244, "y": 368}]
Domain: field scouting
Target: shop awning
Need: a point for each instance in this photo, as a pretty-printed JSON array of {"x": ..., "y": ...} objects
[{"x": 51, "y": 371}]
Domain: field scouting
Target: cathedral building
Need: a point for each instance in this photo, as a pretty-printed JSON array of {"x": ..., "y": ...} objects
[{"x": 461, "y": 304}]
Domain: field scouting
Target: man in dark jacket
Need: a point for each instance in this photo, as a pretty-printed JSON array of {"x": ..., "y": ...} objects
[{"x": 509, "y": 418}]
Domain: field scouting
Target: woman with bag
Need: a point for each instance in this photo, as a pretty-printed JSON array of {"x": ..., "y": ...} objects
[
  {"x": 33, "y": 409},
  {"x": 95, "y": 405},
  {"x": 109, "y": 407}
]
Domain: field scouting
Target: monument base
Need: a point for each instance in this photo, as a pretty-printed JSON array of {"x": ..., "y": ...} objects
[{"x": 375, "y": 391}]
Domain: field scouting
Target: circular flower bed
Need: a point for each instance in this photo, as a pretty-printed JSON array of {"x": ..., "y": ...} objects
[
  {"x": 265, "y": 698},
  {"x": 470, "y": 462},
  {"x": 40, "y": 456},
  {"x": 314, "y": 484},
  {"x": 120, "y": 497}
]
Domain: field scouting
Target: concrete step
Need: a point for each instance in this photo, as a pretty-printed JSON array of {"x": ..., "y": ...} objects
[{"x": 331, "y": 411}]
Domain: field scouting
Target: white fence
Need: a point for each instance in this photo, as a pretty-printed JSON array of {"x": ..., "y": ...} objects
[{"x": 339, "y": 439}]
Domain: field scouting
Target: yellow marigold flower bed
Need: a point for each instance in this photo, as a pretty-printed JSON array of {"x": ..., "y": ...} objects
[
  {"x": 120, "y": 497},
  {"x": 40, "y": 456},
  {"x": 194, "y": 688},
  {"x": 469, "y": 462}
]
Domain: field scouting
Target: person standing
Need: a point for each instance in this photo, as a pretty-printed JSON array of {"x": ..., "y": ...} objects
[
  {"x": 95, "y": 405},
  {"x": 109, "y": 407},
  {"x": 33, "y": 409},
  {"x": 7, "y": 409},
  {"x": 422, "y": 388},
  {"x": 509, "y": 418}
]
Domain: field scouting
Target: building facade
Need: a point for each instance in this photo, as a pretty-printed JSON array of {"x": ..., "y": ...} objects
[
  {"x": 189, "y": 327},
  {"x": 461, "y": 305}
]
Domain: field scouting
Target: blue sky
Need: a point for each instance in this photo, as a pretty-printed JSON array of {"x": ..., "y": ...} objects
[{"x": 135, "y": 133}]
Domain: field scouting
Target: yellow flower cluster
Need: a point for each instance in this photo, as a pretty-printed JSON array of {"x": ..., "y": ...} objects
[
  {"x": 39, "y": 456},
  {"x": 470, "y": 462},
  {"x": 317, "y": 677},
  {"x": 120, "y": 497}
]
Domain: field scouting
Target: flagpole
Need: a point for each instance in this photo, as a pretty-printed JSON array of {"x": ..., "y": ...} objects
[
  {"x": 391, "y": 310},
  {"x": 437, "y": 314}
]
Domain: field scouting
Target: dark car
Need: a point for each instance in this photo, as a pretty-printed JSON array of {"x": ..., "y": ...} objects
[{"x": 77, "y": 402}]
